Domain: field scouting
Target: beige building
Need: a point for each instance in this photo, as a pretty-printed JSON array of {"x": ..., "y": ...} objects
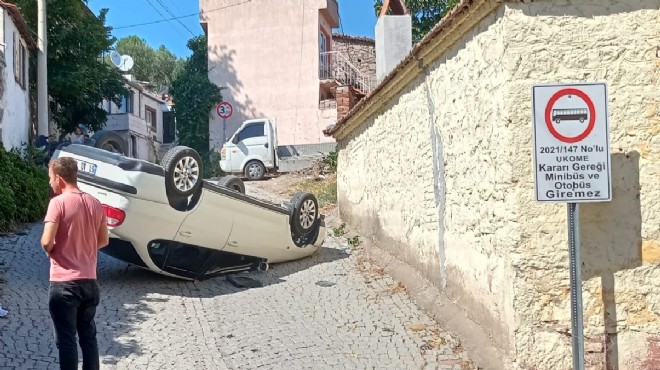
[
  {"x": 275, "y": 59},
  {"x": 452, "y": 195},
  {"x": 144, "y": 123}
]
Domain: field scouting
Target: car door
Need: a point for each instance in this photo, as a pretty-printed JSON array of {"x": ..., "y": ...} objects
[
  {"x": 253, "y": 142},
  {"x": 209, "y": 224}
]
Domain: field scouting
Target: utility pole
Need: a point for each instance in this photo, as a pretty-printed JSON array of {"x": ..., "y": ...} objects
[{"x": 42, "y": 71}]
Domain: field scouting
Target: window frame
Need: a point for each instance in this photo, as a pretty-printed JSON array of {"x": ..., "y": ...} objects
[
  {"x": 250, "y": 125},
  {"x": 21, "y": 57},
  {"x": 154, "y": 118}
]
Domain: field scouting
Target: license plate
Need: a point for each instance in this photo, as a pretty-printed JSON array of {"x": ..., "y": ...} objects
[{"x": 86, "y": 167}]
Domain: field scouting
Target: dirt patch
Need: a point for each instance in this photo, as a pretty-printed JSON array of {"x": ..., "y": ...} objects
[{"x": 280, "y": 188}]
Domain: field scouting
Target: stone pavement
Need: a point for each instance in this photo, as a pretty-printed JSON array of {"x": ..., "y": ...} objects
[{"x": 355, "y": 318}]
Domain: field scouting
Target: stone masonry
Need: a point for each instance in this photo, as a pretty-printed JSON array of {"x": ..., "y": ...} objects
[
  {"x": 360, "y": 51},
  {"x": 452, "y": 194}
]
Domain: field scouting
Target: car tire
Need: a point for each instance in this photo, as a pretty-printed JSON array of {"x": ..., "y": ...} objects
[
  {"x": 233, "y": 183},
  {"x": 304, "y": 213},
  {"x": 110, "y": 141},
  {"x": 183, "y": 171},
  {"x": 255, "y": 170}
]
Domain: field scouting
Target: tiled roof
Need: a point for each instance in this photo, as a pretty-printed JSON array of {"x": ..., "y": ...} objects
[
  {"x": 351, "y": 37},
  {"x": 19, "y": 21}
]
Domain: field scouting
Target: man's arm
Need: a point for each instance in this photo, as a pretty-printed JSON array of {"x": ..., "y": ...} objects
[
  {"x": 102, "y": 238},
  {"x": 48, "y": 237}
]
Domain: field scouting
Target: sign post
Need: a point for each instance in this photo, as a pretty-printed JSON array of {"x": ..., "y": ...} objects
[
  {"x": 572, "y": 165},
  {"x": 224, "y": 110}
]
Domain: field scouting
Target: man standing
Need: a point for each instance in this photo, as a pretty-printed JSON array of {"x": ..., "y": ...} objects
[{"x": 74, "y": 229}]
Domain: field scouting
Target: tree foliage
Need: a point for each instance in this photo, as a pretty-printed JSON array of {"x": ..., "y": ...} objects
[
  {"x": 78, "y": 79},
  {"x": 194, "y": 98},
  {"x": 155, "y": 66},
  {"x": 425, "y": 14}
]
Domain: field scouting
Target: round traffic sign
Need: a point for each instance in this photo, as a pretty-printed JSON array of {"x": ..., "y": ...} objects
[
  {"x": 573, "y": 112},
  {"x": 224, "y": 109}
]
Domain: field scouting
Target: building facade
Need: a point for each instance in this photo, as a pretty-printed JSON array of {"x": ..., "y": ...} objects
[
  {"x": 275, "y": 59},
  {"x": 144, "y": 121},
  {"x": 17, "y": 43}
]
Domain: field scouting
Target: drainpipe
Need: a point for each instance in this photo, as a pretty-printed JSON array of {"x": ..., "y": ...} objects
[{"x": 42, "y": 72}]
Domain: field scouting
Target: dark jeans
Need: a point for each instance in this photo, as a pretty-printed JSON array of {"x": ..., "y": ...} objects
[{"x": 72, "y": 307}]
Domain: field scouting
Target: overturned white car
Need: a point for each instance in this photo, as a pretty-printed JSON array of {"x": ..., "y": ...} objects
[{"x": 167, "y": 219}]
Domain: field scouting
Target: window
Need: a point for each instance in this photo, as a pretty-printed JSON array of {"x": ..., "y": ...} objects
[
  {"x": 20, "y": 61},
  {"x": 3, "y": 40},
  {"x": 251, "y": 130},
  {"x": 150, "y": 117},
  {"x": 323, "y": 42},
  {"x": 127, "y": 103},
  {"x": 134, "y": 150}
]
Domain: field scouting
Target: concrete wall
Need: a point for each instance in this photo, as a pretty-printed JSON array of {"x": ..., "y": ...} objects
[
  {"x": 266, "y": 55},
  {"x": 14, "y": 102},
  {"x": 393, "y": 42},
  {"x": 441, "y": 178}
]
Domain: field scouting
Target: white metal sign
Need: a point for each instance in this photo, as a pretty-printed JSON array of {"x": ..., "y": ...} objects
[{"x": 571, "y": 143}]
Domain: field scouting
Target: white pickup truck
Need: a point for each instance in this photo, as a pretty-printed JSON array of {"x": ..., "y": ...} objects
[{"x": 252, "y": 150}]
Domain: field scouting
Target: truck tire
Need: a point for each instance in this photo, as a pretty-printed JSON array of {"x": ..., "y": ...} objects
[
  {"x": 304, "y": 213},
  {"x": 183, "y": 171},
  {"x": 233, "y": 183},
  {"x": 110, "y": 141},
  {"x": 255, "y": 170}
]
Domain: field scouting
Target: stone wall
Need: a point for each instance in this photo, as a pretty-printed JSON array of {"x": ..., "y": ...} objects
[
  {"x": 424, "y": 190},
  {"x": 360, "y": 51},
  {"x": 556, "y": 41},
  {"x": 441, "y": 177}
]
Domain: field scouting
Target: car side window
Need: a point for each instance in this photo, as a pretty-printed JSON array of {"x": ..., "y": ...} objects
[{"x": 251, "y": 130}]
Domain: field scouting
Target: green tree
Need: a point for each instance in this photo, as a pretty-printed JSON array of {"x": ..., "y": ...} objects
[
  {"x": 194, "y": 98},
  {"x": 142, "y": 54},
  {"x": 425, "y": 14},
  {"x": 167, "y": 67},
  {"x": 78, "y": 80},
  {"x": 155, "y": 66}
]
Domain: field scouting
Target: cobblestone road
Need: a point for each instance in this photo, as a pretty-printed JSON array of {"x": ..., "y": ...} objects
[{"x": 358, "y": 319}]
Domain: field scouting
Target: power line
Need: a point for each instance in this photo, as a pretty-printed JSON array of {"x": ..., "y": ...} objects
[
  {"x": 163, "y": 16},
  {"x": 179, "y": 17},
  {"x": 178, "y": 21},
  {"x": 176, "y": 9}
]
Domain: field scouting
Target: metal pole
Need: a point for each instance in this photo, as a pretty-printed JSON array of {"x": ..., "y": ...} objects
[
  {"x": 577, "y": 326},
  {"x": 42, "y": 71},
  {"x": 224, "y": 130}
]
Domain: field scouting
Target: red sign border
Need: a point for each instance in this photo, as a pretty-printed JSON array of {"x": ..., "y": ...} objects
[
  {"x": 590, "y": 106},
  {"x": 217, "y": 109}
]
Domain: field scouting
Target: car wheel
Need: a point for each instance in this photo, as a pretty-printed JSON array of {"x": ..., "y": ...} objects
[
  {"x": 255, "y": 170},
  {"x": 110, "y": 141},
  {"x": 305, "y": 212},
  {"x": 232, "y": 182},
  {"x": 183, "y": 171}
]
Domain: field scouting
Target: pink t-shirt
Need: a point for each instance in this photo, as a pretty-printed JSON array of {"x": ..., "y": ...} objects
[{"x": 75, "y": 253}]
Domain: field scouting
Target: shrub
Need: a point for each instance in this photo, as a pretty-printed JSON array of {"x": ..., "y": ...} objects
[
  {"x": 331, "y": 161},
  {"x": 23, "y": 190}
]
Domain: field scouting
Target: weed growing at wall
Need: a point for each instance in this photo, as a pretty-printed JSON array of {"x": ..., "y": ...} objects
[
  {"x": 331, "y": 161},
  {"x": 23, "y": 190}
]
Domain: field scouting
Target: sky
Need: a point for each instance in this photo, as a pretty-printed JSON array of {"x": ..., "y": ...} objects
[{"x": 357, "y": 18}]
